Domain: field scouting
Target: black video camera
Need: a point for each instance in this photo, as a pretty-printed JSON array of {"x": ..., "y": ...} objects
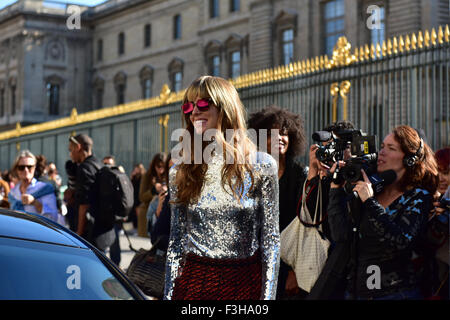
[{"x": 363, "y": 151}]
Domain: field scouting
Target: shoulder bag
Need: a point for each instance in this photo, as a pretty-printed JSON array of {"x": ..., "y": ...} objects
[{"x": 302, "y": 246}]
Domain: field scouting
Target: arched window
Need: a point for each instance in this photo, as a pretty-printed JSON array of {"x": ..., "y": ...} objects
[
  {"x": 146, "y": 77},
  {"x": 120, "y": 84},
  {"x": 176, "y": 74},
  {"x": 53, "y": 86},
  {"x": 99, "y": 89},
  {"x": 213, "y": 57},
  {"x": 285, "y": 25},
  {"x": 234, "y": 47}
]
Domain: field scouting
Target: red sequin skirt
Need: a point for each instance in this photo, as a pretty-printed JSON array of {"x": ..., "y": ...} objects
[{"x": 219, "y": 279}]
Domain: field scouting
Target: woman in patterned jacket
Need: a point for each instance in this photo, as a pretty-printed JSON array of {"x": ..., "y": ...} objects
[{"x": 384, "y": 229}]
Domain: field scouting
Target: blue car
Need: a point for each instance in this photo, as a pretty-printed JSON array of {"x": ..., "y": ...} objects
[{"x": 42, "y": 260}]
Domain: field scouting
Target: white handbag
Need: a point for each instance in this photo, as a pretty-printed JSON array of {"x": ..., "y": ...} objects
[{"x": 302, "y": 247}]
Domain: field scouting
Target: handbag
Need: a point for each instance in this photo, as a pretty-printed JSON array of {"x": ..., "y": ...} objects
[
  {"x": 147, "y": 271},
  {"x": 302, "y": 246}
]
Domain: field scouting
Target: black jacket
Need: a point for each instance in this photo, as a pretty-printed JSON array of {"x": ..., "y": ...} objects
[
  {"x": 373, "y": 236},
  {"x": 86, "y": 193}
]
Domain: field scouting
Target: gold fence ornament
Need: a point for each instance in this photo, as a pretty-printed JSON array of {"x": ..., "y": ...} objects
[{"x": 342, "y": 55}]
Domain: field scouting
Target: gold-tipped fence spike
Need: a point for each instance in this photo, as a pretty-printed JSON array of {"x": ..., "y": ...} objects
[
  {"x": 303, "y": 67},
  {"x": 426, "y": 38},
  {"x": 420, "y": 40},
  {"x": 433, "y": 37},
  {"x": 407, "y": 43},
  {"x": 384, "y": 48},
  {"x": 361, "y": 53},
  {"x": 413, "y": 41},
  {"x": 308, "y": 66},
  {"x": 279, "y": 73},
  {"x": 378, "y": 50},
  {"x": 317, "y": 63},
  {"x": 440, "y": 35},
  {"x": 293, "y": 67},
  {"x": 401, "y": 44},
  {"x": 321, "y": 63},
  {"x": 366, "y": 52},
  {"x": 447, "y": 33},
  {"x": 395, "y": 45},
  {"x": 356, "y": 54},
  {"x": 252, "y": 79},
  {"x": 299, "y": 62},
  {"x": 389, "y": 47},
  {"x": 372, "y": 51},
  {"x": 326, "y": 61},
  {"x": 285, "y": 71}
]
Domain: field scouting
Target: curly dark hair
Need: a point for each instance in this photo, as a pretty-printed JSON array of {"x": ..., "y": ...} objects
[{"x": 275, "y": 117}]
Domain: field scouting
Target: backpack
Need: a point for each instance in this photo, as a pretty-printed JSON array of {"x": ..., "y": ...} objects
[{"x": 115, "y": 194}]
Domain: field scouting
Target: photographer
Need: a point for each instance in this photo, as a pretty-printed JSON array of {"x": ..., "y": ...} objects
[
  {"x": 381, "y": 230},
  {"x": 317, "y": 173}
]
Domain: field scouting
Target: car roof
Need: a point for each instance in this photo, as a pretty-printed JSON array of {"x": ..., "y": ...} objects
[{"x": 33, "y": 227}]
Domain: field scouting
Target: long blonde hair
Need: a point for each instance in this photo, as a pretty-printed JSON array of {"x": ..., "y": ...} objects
[{"x": 240, "y": 148}]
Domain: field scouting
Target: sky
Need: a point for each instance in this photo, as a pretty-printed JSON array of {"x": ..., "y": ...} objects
[{"x": 4, "y": 3}]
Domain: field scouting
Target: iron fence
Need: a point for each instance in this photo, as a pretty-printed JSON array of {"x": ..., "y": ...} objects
[{"x": 403, "y": 80}]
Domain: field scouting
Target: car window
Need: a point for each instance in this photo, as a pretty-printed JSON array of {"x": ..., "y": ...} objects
[{"x": 36, "y": 270}]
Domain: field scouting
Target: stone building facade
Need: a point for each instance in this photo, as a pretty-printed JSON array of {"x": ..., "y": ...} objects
[{"x": 123, "y": 51}]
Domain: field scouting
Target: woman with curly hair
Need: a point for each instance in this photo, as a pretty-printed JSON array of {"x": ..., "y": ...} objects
[
  {"x": 224, "y": 235},
  {"x": 290, "y": 142}
]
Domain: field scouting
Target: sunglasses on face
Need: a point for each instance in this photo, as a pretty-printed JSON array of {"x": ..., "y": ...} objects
[
  {"x": 22, "y": 167},
  {"x": 202, "y": 105}
]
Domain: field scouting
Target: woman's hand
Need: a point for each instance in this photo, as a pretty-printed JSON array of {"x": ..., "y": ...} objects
[
  {"x": 27, "y": 199},
  {"x": 161, "y": 197},
  {"x": 315, "y": 166},
  {"x": 334, "y": 172},
  {"x": 364, "y": 188}
]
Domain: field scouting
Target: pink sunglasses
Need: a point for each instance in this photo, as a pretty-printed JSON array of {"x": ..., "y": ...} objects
[{"x": 202, "y": 105}]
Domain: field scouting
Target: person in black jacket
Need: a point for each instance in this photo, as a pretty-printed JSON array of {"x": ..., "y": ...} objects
[
  {"x": 100, "y": 234},
  {"x": 380, "y": 231},
  {"x": 290, "y": 142}
]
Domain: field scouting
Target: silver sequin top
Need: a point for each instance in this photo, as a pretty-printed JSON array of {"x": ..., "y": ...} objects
[{"x": 219, "y": 226}]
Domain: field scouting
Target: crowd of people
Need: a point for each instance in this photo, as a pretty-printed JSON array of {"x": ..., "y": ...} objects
[{"x": 219, "y": 222}]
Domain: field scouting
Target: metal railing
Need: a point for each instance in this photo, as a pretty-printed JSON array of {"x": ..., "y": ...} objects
[{"x": 403, "y": 80}]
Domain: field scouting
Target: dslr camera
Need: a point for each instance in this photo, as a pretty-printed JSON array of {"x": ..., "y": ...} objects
[{"x": 363, "y": 150}]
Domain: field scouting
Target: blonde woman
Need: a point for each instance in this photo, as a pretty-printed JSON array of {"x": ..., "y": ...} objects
[
  {"x": 29, "y": 194},
  {"x": 224, "y": 238}
]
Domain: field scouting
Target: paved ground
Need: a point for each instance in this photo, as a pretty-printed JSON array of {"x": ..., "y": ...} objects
[{"x": 137, "y": 243}]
